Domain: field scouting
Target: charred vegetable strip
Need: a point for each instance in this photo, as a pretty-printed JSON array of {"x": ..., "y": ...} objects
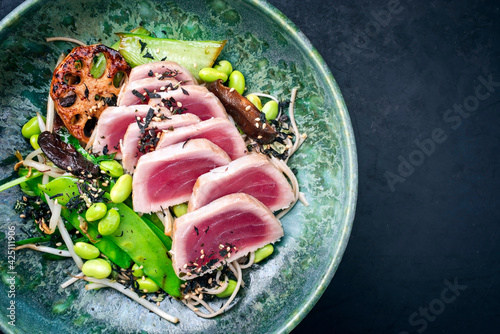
[
  {"x": 141, "y": 49},
  {"x": 136, "y": 238},
  {"x": 250, "y": 120},
  {"x": 65, "y": 155}
]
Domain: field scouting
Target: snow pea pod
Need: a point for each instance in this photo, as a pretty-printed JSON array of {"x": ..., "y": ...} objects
[
  {"x": 136, "y": 238},
  {"x": 65, "y": 186},
  {"x": 167, "y": 241},
  {"x": 104, "y": 244}
]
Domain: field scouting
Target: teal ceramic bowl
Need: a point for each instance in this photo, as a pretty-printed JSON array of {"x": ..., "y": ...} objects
[{"x": 275, "y": 57}]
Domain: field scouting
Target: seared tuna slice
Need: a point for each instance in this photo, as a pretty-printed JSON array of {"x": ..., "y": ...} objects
[
  {"x": 166, "y": 177},
  {"x": 162, "y": 70},
  {"x": 139, "y": 140},
  {"x": 222, "y": 231},
  {"x": 113, "y": 124},
  {"x": 252, "y": 174},
  {"x": 142, "y": 90},
  {"x": 219, "y": 131},
  {"x": 191, "y": 99}
]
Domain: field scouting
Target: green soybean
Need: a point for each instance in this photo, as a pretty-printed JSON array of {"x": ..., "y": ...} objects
[
  {"x": 263, "y": 252},
  {"x": 224, "y": 66},
  {"x": 31, "y": 128},
  {"x": 147, "y": 285},
  {"x": 98, "y": 66},
  {"x": 209, "y": 74},
  {"x": 237, "y": 81},
  {"x": 122, "y": 189},
  {"x": 95, "y": 212},
  {"x": 271, "y": 110},
  {"x": 109, "y": 223},
  {"x": 112, "y": 167},
  {"x": 137, "y": 270},
  {"x": 34, "y": 142},
  {"x": 98, "y": 268},
  {"x": 180, "y": 209},
  {"x": 255, "y": 100},
  {"x": 86, "y": 251},
  {"x": 229, "y": 290}
]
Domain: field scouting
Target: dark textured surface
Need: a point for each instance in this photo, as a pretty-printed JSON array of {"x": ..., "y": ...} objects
[{"x": 400, "y": 73}]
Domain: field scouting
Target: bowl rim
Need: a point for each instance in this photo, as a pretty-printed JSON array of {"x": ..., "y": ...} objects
[
  {"x": 351, "y": 155},
  {"x": 351, "y": 152}
]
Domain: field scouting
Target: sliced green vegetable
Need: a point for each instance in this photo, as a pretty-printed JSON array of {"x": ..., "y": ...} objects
[
  {"x": 63, "y": 189},
  {"x": 137, "y": 31},
  {"x": 34, "y": 240},
  {"x": 141, "y": 49},
  {"x": 136, "y": 238},
  {"x": 19, "y": 180}
]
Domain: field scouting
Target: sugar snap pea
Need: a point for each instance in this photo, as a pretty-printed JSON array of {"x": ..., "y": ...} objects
[
  {"x": 146, "y": 249},
  {"x": 107, "y": 246}
]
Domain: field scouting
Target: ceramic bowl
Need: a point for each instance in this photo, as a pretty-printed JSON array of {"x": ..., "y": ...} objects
[{"x": 275, "y": 57}]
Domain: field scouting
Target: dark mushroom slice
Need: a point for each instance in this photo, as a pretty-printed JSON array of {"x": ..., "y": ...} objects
[
  {"x": 244, "y": 113},
  {"x": 65, "y": 156}
]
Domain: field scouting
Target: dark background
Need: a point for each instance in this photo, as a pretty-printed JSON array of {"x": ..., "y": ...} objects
[{"x": 424, "y": 251}]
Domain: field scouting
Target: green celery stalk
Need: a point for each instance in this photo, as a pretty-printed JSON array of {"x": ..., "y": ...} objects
[{"x": 193, "y": 55}]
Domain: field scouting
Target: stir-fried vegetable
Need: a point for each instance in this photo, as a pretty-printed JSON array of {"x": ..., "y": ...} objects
[{"x": 141, "y": 49}]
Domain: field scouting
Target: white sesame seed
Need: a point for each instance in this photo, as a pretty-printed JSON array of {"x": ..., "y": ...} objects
[
  {"x": 231, "y": 90},
  {"x": 257, "y": 125},
  {"x": 247, "y": 108},
  {"x": 179, "y": 104}
]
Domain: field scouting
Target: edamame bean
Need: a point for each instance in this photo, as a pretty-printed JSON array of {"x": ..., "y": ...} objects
[
  {"x": 237, "y": 81},
  {"x": 109, "y": 223},
  {"x": 224, "y": 66},
  {"x": 209, "y": 74},
  {"x": 122, "y": 189},
  {"x": 180, "y": 209},
  {"x": 137, "y": 270},
  {"x": 31, "y": 127},
  {"x": 86, "y": 251},
  {"x": 34, "y": 142},
  {"x": 95, "y": 212},
  {"x": 271, "y": 110},
  {"x": 112, "y": 167},
  {"x": 263, "y": 252},
  {"x": 229, "y": 290},
  {"x": 255, "y": 100},
  {"x": 98, "y": 268},
  {"x": 147, "y": 285}
]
